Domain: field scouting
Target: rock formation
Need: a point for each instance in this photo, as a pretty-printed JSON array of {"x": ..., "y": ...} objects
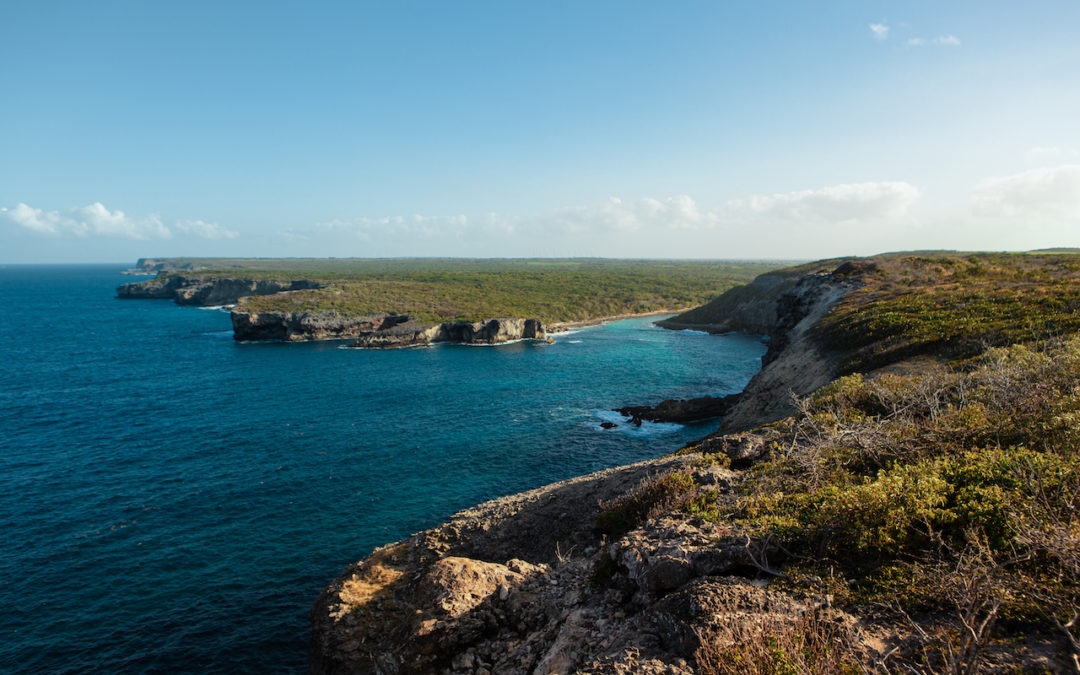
[
  {"x": 782, "y": 307},
  {"x": 680, "y": 411},
  {"x": 379, "y": 330},
  {"x": 306, "y": 326},
  {"x": 525, "y": 584}
]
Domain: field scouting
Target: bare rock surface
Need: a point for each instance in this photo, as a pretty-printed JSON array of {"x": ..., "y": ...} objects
[{"x": 525, "y": 584}]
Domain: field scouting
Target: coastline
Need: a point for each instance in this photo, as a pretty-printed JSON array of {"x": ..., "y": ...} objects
[
  {"x": 565, "y": 326},
  {"x": 553, "y": 580}
]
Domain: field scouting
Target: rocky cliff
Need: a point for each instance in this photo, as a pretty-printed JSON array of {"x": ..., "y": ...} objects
[
  {"x": 783, "y": 307},
  {"x": 489, "y": 332},
  {"x": 378, "y": 331},
  {"x": 207, "y": 290}
]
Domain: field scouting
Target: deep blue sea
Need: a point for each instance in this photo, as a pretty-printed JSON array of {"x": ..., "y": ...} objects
[{"x": 171, "y": 500}]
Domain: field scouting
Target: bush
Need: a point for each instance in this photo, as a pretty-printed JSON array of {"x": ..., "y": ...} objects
[{"x": 650, "y": 499}]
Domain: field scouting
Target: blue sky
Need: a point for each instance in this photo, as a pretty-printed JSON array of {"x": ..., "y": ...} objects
[{"x": 619, "y": 129}]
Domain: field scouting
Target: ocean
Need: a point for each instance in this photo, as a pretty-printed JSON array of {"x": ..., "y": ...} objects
[{"x": 174, "y": 501}]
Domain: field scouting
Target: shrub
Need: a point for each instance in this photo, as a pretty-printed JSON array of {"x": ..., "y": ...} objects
[{"x": 653, "y": 497}]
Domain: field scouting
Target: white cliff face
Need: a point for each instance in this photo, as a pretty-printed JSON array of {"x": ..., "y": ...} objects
[
  {"x": 795, "y": 365},
  {"x": 784, "y": 308}
]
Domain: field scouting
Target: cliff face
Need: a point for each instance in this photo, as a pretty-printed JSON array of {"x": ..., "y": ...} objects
[
  {"x": 489, "y": 332},
  {"x": 305, "y": 326},
  {"x": 381, "y": 330},
  {"x": 207, "y": 291},
  {"x": 752, "y": 308},
  {"x": 784, "y": 308}
]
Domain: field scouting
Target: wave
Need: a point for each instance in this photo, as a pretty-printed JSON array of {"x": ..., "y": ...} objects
[{"x": 623, "y": 425}]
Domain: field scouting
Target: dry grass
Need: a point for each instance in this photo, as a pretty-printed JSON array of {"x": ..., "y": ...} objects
[
  {"x": 810, "y": 643},
  {"x": 376, "y": 578}
]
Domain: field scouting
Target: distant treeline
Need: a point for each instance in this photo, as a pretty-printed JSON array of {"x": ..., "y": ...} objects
[{"x": 446, "y": 289}]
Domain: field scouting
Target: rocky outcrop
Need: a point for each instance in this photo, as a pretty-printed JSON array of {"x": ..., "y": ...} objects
[
  {"x": 680, "y": 411},
  {"x": 795, "y": 363},
  {"x": 306, "y": 326},
  {"x": 525, "y": 584},
  {"x": 487, "y": 332},
  {"x": 207, "y": 291},
  {"x": 379, "y": 330}
]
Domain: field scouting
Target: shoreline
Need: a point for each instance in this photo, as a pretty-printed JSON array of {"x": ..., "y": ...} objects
[{"x": 565, "y": 326}]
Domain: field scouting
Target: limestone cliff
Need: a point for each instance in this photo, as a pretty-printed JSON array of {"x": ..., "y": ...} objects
[
  {"x": 207, "y": 290},
  {"x": 782, "y": 307},
  {"x": 489, "y": 331},
  {"x": 378, "y": 330}
]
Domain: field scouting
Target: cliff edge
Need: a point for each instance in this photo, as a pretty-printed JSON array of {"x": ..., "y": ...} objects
[
  {"x": 913, "y": 516},
  {"x": 784, "y": 307}
]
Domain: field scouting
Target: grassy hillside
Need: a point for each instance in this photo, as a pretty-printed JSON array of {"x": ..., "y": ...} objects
[
  {"x": 939, "y": 498},
  {"x": 431, "y": 290},
  {"x": 954, "y": 306}
]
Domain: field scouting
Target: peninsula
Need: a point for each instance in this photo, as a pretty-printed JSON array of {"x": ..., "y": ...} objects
[
  {"x": 896, "y": 490},
  {"x": 406, "y": 302}
]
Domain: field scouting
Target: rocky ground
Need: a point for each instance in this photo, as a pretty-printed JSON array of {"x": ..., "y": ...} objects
[{"x": 527, "y": 584}]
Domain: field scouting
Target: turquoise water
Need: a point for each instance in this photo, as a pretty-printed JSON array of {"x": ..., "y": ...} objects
[{"x": 174, "y": 501}]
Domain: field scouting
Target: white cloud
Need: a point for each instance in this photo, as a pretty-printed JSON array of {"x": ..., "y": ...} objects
[
  {"x": 837, "y": 204},
  {"x": 941, "y": 41},
  {"x": 93, "y": 219},
  {"x": 33, "y": 219},
  {"x": 616, "y": 215},
  {"x": 1043, "y": 154},
  {"x": 97, "y": 220},
  {"x": 1031, "y": 197},
  {"x": 201, "y": 228},
  {"x": 365, "y": 227},
  {"x": 880, "y": 31},
  {"x": 862, "y": 203}
]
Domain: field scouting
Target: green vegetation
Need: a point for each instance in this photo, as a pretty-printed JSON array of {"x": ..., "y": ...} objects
[
  {"x": 659, "y": 495},
  {"x": 951, "y": 490},
  {"x": 433, "y": 290},
  {"x": 939, "y": 478},
  {"x": 953, "y": 306}
]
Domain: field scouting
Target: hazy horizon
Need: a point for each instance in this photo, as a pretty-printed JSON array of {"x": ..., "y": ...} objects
[{"x": 695, "y": 130}]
